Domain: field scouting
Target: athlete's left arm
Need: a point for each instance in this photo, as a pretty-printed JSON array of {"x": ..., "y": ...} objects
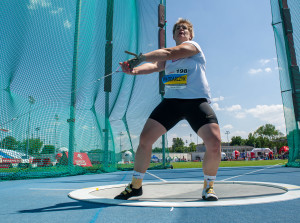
[{"x": 178, "y": 52}]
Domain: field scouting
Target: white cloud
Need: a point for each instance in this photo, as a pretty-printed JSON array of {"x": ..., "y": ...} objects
[
  {"x": 272, "y": 114},
  {"x": 243, "y": 134},
  {"x": 259, "y": 70},
  {"x": 184, "y": 125},
  {"x": 216, "y": 107},
  {"x": 268, "y": 69},
  {"x": 132, "y": 136},
  {"x": 255, "y": 71},
  {"x": 263, "y": 66},
  {"x": 171, "y": 136},
  {"x": 229, "y": 126},
  {"x": 240, "y": 115},
  {"x": 263, "y": 62},
  {"x": 234, "y": 108},
  {"x": 221, "y": 98},
  {"x": 67, "y": 24},
  {"x": 268, "y": 114},
  {"x": 34, "y": 4}
]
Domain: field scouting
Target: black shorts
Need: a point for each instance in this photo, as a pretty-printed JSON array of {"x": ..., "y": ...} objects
[{"x": 196, "y": 111}]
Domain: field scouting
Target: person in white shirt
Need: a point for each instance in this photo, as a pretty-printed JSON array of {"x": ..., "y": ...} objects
[{"x": 187, "y": 96}]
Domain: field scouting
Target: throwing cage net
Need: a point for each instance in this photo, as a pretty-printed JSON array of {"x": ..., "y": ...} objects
[
  {"x": 286, "y": 25},
  {"x": 65, "y": 107}
]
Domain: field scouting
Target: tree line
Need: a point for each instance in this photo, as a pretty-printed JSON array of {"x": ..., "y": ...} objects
[
  {"x": 35, "y": 146},
  {"x": 178, "y": 147},
  {"x": 266, "y": 136}
]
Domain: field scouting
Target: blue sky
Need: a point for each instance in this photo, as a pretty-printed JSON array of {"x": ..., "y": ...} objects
[{"x": 237, "y": 39}]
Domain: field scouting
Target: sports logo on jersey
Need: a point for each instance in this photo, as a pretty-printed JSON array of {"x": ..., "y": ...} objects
[{"x": 176, "y": 80}]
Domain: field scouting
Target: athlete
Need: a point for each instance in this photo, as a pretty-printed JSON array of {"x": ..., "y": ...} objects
[{"x": 187, "y": 96}]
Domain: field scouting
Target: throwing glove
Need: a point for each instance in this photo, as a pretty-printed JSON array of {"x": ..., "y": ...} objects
[{"x": 134, "y": 61}]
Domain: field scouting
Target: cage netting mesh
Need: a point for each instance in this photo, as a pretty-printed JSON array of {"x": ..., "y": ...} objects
[
  {"x": 289, "y": 70},
  {"x": 55, "y": 117}
]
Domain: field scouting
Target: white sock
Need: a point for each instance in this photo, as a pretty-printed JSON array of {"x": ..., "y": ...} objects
[
  {"x": 138, "y": 175},
  {"x": 209, "y": 181},
  {"x": 137, "y": 179}
]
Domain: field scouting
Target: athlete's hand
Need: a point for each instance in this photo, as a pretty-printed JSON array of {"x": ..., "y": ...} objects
[
  {"x": 129, "y": 65},
  {"x": 137, "y": 60},
  {"x": 125, "y": 68}
]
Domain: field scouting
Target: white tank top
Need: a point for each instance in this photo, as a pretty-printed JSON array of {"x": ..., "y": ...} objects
[{"x": 185, "y": 78}]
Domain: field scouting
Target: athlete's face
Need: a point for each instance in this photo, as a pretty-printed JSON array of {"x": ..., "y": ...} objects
[{"x": 181, "y": 33}]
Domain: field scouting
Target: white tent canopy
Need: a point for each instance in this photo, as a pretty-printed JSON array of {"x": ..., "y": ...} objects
[
  {"x": 127, "y": 156},
  {"x": 261, "y": 150},
  {"x": 223, "y": 155},
  {"x": 63, "y": 149}
]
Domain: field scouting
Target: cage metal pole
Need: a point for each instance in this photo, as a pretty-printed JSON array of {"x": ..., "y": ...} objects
[
  {"x": 162, "y": 44},
  {"x": 294, "y": 73},
  {"x": 108, "y": 79},
  {"x": 71, "y": 120}
]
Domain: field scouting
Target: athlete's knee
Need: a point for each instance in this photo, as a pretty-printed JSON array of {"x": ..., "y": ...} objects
[
  {"x": 145, "y": 142},
  {"x": 213, "y": 144}
]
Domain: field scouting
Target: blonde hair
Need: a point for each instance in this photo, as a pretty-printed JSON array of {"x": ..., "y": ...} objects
[{"x": 186, "y": 22}]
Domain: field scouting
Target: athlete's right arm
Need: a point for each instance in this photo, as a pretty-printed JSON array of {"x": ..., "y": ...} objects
[{"x": 145, "y": 68}]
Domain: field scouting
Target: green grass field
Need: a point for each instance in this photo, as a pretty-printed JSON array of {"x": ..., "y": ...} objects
[
  {"x": 176, "y": 165},
  {"x": 179, "y": 165}
]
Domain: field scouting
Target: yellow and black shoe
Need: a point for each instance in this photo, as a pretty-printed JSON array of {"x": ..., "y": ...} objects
[
  {"x": 129, "y": 192},
  {"x": 209, "y": 194}
]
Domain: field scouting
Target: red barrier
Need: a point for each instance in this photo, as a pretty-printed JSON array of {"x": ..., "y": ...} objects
[
  {"x": 5, "y": 165},
  {"x": 7, "y": 160},
  {"x": 80, "y": 159}
]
